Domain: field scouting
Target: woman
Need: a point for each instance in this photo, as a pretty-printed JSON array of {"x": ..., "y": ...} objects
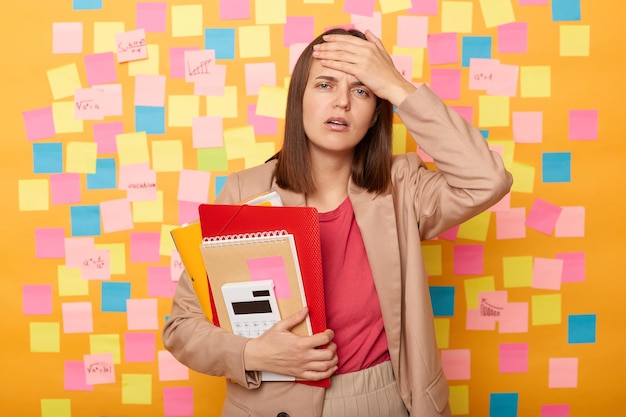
[{"x": 374, "y": 210}]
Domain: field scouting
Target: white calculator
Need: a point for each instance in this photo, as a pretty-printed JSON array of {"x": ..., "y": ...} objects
[{"x": 252, "y": 306}]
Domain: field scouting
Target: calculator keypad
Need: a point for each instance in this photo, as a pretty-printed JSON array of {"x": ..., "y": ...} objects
[{"x": 252, "y": 329}]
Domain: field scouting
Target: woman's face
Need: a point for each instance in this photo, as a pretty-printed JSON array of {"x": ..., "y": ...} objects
[{"x": 337, "y": 110}]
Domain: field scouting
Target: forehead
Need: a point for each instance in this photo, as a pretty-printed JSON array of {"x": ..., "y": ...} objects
[{"x": 318, "y": 70}]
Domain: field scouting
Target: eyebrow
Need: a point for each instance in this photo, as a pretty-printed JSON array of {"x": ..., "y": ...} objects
[{"x": 331, "y": 78}]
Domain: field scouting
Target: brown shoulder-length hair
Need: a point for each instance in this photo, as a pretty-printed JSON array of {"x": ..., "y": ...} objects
[{"x": 371, "y": 165}]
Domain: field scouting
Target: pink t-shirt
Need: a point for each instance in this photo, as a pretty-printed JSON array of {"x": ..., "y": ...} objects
[{"x": 352, "y": 306}]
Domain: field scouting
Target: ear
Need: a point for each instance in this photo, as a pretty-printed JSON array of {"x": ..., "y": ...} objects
[{"x": 375, "y": 116}]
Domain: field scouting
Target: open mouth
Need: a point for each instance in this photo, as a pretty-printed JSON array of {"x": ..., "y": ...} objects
[{"x": 337, "y": 122}]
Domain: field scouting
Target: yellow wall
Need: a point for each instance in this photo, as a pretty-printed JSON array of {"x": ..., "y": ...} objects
[{"x": 33, "y": 383}]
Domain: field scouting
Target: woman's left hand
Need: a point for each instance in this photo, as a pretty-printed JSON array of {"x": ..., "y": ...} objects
[{"x": 368, "y": 61}]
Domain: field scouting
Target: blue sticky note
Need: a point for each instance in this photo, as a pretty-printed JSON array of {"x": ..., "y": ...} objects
[
  {"x": 503, "y": 404},
  {"x": 48, "y": 158},
  {"x": 105, "y": 177},
  {"x": 114, "y": 296},
  {"x": 581, "y": 328},
  {"x": 556, "y": 167},
  {"x": 222, "y": 41},
  {"x": 475, "y": 47},
  {"x": 150, "y": 119},
  {"x": 219, "y": 183},
  {"x": 485, "y": 133},
  {"x": 442, "y": 299},
  {"x": 85, "y": 220},
  {"x": 87, "y": 4},
  {"x": 565, "y": 10}
]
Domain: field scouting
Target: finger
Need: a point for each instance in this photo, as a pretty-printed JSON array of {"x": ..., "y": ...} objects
[
  {"x": 372, "y": 38},
  {"x": 293, "y": 320}
]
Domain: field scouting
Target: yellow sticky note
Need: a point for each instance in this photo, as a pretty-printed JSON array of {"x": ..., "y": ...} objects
[
  {"x": 117, "y": 256},
  {"x": 149, "y": 211},
  {"x": 64, "y": 81},
  {"x": 508, "y": 150},
  {"x": 132, "y": 148},
  {"x": 167, "y": 243},
  {"x": 442, "y": 332},
  {"x": 64, "y": 120},
  {"x": 105, "y": 343},
  {"x": 574, "y": 40},
  {"x": 34, "y": 195},
  {"x": 45, "y": 337},
  {"x": 546, "y": 309},
  {"x": 81, "y": 157},
  {"x": 535, "y": 81},
  {"x": 318, "y": 1},
  {"x": 268, "y": 12},
  {"x": 187, "y": 20},
  {"x": 71, "y": 282},
  {"x": 212, "y": 159},
  {"x": 254, "y": 41},
  {"x": 136, "y": 389},
  {"x": 286, "y": 82},
  {"x": 182, "y": 109},
  {"x": 497, "y": 12},
  {"x": 398, "y": 139},
  {"x": 523, "y": 177},
  {"x": 457, "y": 16},
  {"x": 272, "y": 102},
  {"x": 104, "y": 36},
  {"x": 517, "y": 271},
  {"x": 148, "y": 66},
  {"x": 475, "y": 228},
  {"x": 391, "y": 6},
  {"x": 261, "y": 152},
  {"x": 418, "y": 59},
  {"x": 433, "y": 259},
  {"x": 474, "y": 286},
  {"x": 56, "y": 407},
  {"x": 167, "y": 156},
  {"x": 459, "y": 400},
  {"x": 238, "y": 140},
  {"x": 493, "y": 111},
  {"x": 225, "y": 106}
]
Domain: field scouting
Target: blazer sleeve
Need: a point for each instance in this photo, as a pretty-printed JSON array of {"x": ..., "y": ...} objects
[{"x": 469, "y": 178}]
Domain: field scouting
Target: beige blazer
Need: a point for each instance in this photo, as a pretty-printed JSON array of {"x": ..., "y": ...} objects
[{"x": 423, "y": 203}]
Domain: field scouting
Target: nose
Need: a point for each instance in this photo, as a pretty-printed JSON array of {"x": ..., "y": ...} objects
[{"x": 342, "y": 99}]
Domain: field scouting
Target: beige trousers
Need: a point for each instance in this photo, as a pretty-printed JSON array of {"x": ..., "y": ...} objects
[{"x": 368, "y": 393}]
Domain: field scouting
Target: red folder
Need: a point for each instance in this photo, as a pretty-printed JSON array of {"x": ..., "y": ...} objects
[{"x": 301, "y": 222}]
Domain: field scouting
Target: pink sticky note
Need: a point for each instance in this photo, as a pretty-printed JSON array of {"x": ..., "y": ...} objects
[
  {"x": 131, "y": 45},
  {"x": 425, "y": 7},
  {"x": 456, "y": 364},
  {"x": 532, "y": 2},
  {"x": 446, "y": 83},
  {"x": 359, "y": 7},
  {"x": 116, "y": 215},
  {"x": 450, "y": 234},
  {"x": 96, "y": 264},
  {"x": 513, "y": 357},
  {"x": 36, "y": 299},
  {"x": 372, "y": 23},
  {"x": 263, "y": 125},
  {"x": 528, "y": 127},
  {"x": 563, "y": 373},
  {"x": 443, "y": 48},
  {"x": 466, "y": 112},
  {"x": 258, "y": 74},
  {"x": 75, "y": 248},
  {"x": 207, "y": 132},
  {"x": 543, "y": 216},
  {"x": 583, "y": 124},
  {"x": 178, "y": 401},
  {"x": 49, "y": 243},
  {"x": 187, "y": 211},
  {"x": 151, "y": 16},
  {"x": 177, "y": 60},
  {"x": 141, "y": 314},
  {"x": 513, "y": 38},
  {"x": 212, "y": 84},
  {"x": 234, "y": 9},
  {"x": 198, "y": 63},
  {"x": 492, "y": 303},
  {"x": 139, "y": 346},
  {"x": 144, "y": 246},
  {"x": 150, "y": 90},
  {"x": 295, "y": 50},
  {"x": 514, "y": 318},
  {"x": 194, "y": 186},
  {"x": 272, "y": 268},
  {"x": 139, "y": 181},
  {"x": 89, "y": 104},
  {"x": 547, "y": 273},
  {"x": 67, "y": 37},
  {"x": 111, "y": 99},
  {"x": 505, "y": 80},
  {"x": 481, "y": 73},
  {"x": 427, "y": 158},
  {"x": 75, "y": 377},
  {"x": 176, "y": 268},
  {"x": 404, "y": 65},
  {"x": 511, "y": 224},
  {"x": 99, "y": 368},
  {"x": 160, "y": 283},
  {"x": 170, "y": 369},
  {"x": 573, "y": 266},
  {"x": 100, "y": 68},
  {"x": 104, "y": 135},
  {"x": 39, "y": 123},
  {"x": 503, "y": 205},
  {"x": 412, "y": 32},
  {"x": 555, "y": 410},
  {"x": 77, "y": 317},
  {"x": 476, "y": 321},
  {"x": 298, "y": 29},
  {"x": 468, "y": 259},
  {"x": 571, "y": 222}
]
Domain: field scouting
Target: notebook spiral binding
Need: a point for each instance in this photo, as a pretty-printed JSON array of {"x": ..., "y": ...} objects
[{"x": 242, "y": 238}]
